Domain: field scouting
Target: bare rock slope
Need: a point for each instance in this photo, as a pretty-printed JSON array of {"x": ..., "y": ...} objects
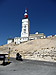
[{"x": 40, "y": 49}]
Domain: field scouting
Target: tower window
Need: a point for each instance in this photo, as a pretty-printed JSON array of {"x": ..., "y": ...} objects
[
  {"x": 24, "y": 26},
  {"x": 24, "y": 30}
]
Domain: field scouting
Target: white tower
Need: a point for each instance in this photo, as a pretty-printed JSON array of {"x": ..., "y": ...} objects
[{"x": 25, "y": 26}]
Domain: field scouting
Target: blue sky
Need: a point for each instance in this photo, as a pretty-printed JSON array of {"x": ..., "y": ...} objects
[{"x": 41, "y": 13}]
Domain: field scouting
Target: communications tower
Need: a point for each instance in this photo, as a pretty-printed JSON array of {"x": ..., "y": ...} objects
[{"x": 25, "y": 26}]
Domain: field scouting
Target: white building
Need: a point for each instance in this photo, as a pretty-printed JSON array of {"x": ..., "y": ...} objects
[
  {"x": 25, "y": 33},
  {"x": 10, "y": 40},
  {"x": 17, "y": 40},
  {"x": 37, "y": 36},
  {"x": 25, "y": 28}
]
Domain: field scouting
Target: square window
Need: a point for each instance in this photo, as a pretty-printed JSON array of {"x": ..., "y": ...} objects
[
  {"x": 24, "y": 30},
  {"x": 24, "y": 26}
]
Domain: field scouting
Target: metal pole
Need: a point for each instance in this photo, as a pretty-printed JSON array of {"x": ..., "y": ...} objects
[{"x": 8, "y": 55}]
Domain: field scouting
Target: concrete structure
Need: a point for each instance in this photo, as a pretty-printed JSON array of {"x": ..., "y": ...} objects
[
  {"x": 25, "y": 33},
  {"x": 37, "y": 36},
  {"x": 10, "y": 40},
  {"x": 17, "y": 40},
  {"x": 50, "y": 36},
  {"x": 25, "y": 28}
]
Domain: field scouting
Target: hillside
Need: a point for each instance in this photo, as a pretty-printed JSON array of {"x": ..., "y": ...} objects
[{"x": 40, "y": 49}]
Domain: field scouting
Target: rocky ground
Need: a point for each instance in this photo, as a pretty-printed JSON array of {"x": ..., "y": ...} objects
[{"x": 39, "y": 49}]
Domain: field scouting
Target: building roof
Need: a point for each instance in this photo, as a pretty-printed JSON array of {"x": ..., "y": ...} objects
[{"x": 37, "y": 34}]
